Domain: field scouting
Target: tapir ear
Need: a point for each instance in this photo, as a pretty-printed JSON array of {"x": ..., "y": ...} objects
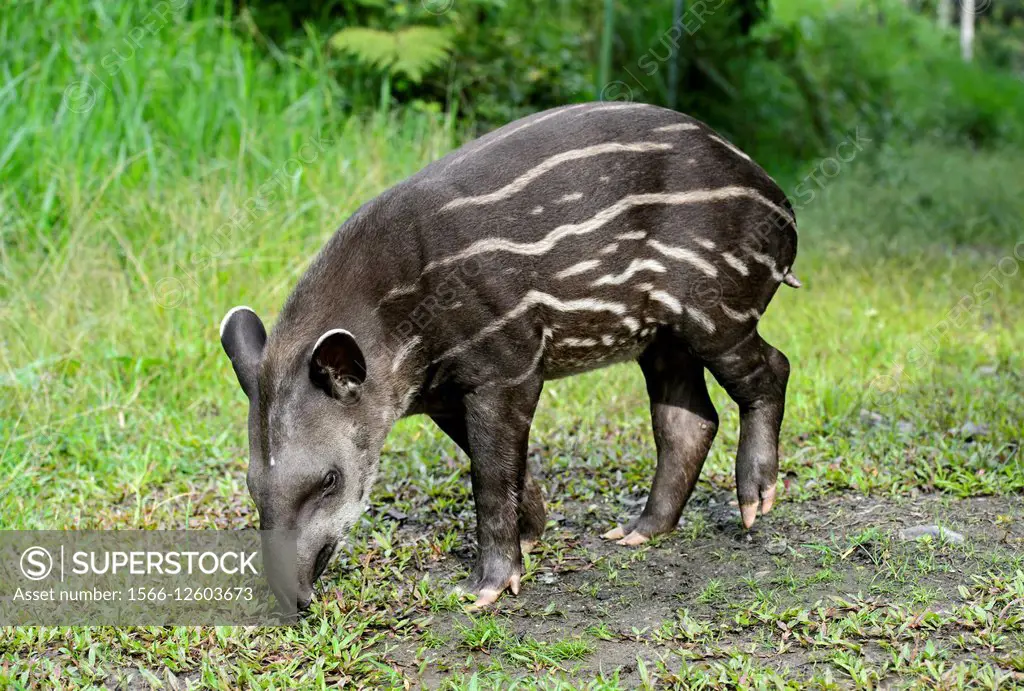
[
  {"x": 243, "y": 337},
  {"x": 337, "y": 365}
]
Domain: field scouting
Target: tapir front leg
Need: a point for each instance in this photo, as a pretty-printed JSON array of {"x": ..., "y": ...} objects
[
  {"x": 498, "y": 429},
  {"x": 532, "y": 515}
]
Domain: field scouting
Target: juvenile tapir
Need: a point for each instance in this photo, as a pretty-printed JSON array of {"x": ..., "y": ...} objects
[{"x": 563, "y": 242}]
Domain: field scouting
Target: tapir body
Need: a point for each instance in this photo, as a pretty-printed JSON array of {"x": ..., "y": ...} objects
[{"x": 563, "y": 242}]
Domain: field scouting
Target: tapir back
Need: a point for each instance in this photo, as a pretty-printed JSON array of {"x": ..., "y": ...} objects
[{"x": 564, "y": 240}]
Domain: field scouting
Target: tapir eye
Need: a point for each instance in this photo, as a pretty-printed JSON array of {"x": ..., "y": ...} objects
[{"x": 330, "y": 481}]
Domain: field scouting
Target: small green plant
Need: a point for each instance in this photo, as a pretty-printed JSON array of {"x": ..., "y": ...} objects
[
  {"x": 483, "y": 634},
  {"x": 713, "y": 592}
]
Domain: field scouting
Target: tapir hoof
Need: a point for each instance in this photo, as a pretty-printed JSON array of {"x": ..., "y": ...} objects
[
  {"x": 621, "y": 537},
  {"x": 748, "y": 512},
  {"x": 486, "y": 596},
  {"x": 489, "y": 581},
  {"x": 616, "y": 533}
]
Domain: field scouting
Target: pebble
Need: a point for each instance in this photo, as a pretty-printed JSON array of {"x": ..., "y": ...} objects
[
  {"x": 969, "y": 430},
  {"x": 871, "y": 418},
  {"x": 547, "y": 578},
  {"x": 935, "y": 531}
]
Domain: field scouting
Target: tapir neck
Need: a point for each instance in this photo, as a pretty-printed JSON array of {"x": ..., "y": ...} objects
[{"x": 343, "y": 289}]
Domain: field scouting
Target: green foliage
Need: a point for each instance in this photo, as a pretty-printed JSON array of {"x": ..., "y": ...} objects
[
  {"x": 999, "y": 30},
  {"x": 869, "y": 65},
  {"x": 783, "y": 79},
  {"x": 411, "y": 51},
  {"x": 518, "y": 57}
]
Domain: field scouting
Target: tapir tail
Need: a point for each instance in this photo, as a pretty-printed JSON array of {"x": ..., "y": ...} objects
[{"x": 789, "y": 248}]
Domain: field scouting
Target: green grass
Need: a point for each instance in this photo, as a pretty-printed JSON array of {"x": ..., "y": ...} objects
[{"x": 119, "y": 410}]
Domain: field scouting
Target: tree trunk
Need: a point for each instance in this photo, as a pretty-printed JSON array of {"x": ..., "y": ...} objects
[
  {"x": 945, "y": 14},
  {"x": 967, "y": 29}
]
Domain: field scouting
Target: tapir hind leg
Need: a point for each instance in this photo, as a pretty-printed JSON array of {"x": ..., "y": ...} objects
[
  {"x": 684, "y": 423},
  {"x": 532, "y": 516},
  {"x": 754, "y": 374}
]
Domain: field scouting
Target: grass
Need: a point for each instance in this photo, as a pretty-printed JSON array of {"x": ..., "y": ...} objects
[
  {"x": 119, "y": 412},
  {"x": 118, "y": 409}
]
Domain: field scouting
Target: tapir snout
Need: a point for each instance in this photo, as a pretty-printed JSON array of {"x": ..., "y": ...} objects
[{"x": 292, "y": 574}]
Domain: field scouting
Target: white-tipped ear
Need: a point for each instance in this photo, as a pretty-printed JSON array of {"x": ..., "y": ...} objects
[
  {"x": 227, "y": 317},
  {"x": 328, "y": 334},
  {"x": 337, "y": 365},
  {"x": 242, "y": 336}
]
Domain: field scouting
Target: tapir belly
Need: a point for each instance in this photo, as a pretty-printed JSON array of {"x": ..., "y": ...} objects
[{"x": 593, "y": 345}]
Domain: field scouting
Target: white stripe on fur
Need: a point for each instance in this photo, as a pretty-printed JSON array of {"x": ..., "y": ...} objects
[
  {"x": 580, "y": 268},
  {"x": 403, "y": 352},
  {"x": 752, "y": 313},
  {"x": 685, "y": 255},
  {"x": 769, "y": 262},
  {"x": 668, "y": 300},
  {"x": 600, "y": 219},
  {"x": 578, "y": 342},
  {"x": 701, "y": 318},
  {"x": 729, "y": 146},
  {"x": 505, "y": 135},
  {"x": 532, "y": 299},
  {"x": 678, "y": 127},
  {"x": 635, "y": 267},
  {"x": 736, "y": 263},
  {"x": 550, "y": 164}
]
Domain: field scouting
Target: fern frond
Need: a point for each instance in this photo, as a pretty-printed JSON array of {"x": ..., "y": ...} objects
[
  {"x": 420, "y": 49},
  {"x": 370, "y": 46},
  {"x": 412, "y": 51}
]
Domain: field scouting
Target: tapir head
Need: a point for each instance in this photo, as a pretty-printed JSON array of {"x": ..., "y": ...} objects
[{"x": 312, "y": 454}]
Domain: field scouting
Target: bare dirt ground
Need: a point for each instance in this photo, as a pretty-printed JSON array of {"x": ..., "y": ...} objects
[{"x": 818, "y": 591}]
